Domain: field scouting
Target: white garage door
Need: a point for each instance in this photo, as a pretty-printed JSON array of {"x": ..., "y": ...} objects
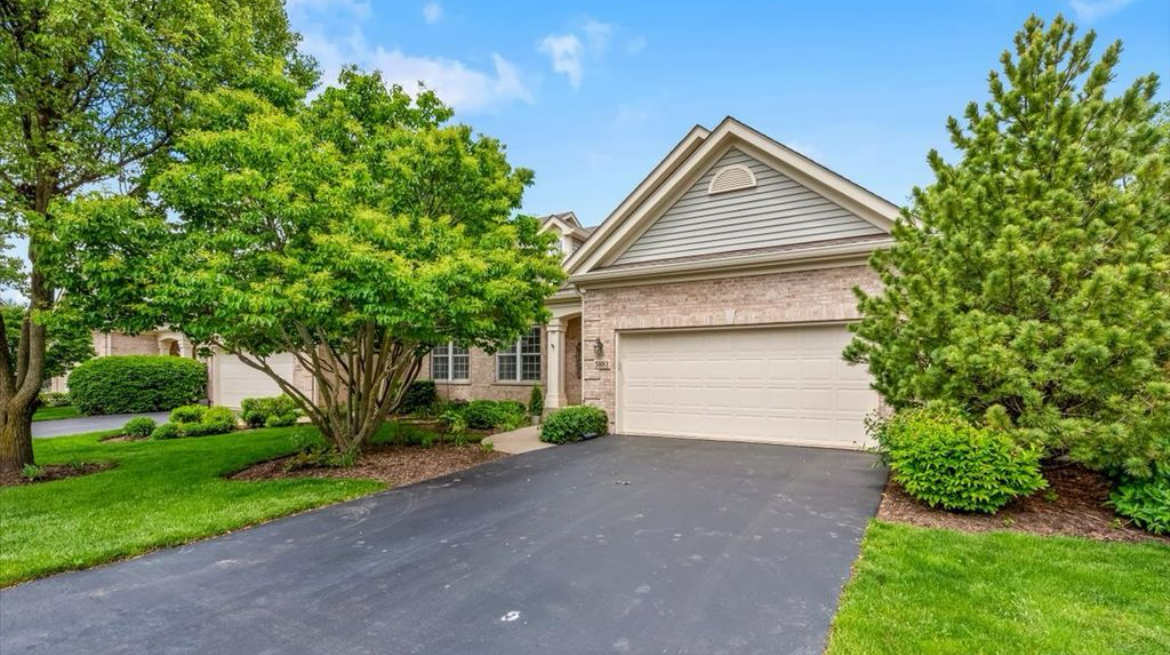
[
  {"x": 784, "y": 385},
  {"x": 235, "y": 380}
]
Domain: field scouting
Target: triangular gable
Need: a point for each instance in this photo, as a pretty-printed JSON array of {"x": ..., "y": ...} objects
[
  {"x": 760, "y": 208},
  {"x": 680, "y": 173}
]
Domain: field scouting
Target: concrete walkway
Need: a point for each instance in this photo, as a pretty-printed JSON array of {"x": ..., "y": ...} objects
[
  {"x": 524, "y": 440},
  {"x": 64, "y": 427}
]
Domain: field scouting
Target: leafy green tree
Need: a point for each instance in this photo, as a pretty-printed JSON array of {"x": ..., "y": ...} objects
[
  {"x": 67, "y": 343},
  {"x": 1030, "y": 283},
  {"x": 92, "y": 94},
  {"x": 355, "y": 232}
]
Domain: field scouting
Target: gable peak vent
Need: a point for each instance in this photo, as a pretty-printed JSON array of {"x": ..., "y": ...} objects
[{"x": 732, "y": 178}]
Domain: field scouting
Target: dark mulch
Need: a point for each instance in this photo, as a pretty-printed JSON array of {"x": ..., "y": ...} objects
[
  {"x": 51, "y": 472},
  {"x": 1073, "y": 505},
  {"x": 394, "y": 465}
]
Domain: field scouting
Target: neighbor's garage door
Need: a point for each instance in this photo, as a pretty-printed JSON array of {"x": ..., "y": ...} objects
[
  {"x": 235, "y": 380},
  {"x": 786, "y": 385}
]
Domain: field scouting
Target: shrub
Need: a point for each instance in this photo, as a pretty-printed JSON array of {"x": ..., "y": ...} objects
[
  {"x": 536, "y": 401},
  {"x": 54, "y": 399},
  {"x": 1145, "y": 501},
  {"x": 188, "y": 414},
  {"x": 166, "y": 431},
  {"x": 943, "y": 460},
  {"x": 218, "y": 420},
  {"x": 573, "y": 423},
  {"x": 140, "y": 427},
  {"x": 277, "y": 411},
  {"x": 127, "y": 384},
  {"x": 420, "y": 396}
]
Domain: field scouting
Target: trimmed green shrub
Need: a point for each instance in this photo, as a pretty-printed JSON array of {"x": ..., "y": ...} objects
[
  {"x": 536, "y": 401},
  {"x": 166, "y": 431},
  {"x": 491, "y": 414},
  {"x": 1145, "y": 501},
  {"x": 218, "y": 419},
  {"x": 420, "y": 396},
  {"x": 573, "y": 423},
  {"x": 276, "y": 411},
  {"x": 127, "y": 384},
  {"x": 54, "y": 399},
  {"x": 188, "y": 414},
  {"x": 141, "y": 427},
  {"x": 940, "y": 458}
]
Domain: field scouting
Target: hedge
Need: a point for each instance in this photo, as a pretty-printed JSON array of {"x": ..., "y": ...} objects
[
  {"x": 125, "y": 384},
  {"x": 573, "y": 423}
]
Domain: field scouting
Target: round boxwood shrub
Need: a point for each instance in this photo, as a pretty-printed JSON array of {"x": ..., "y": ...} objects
[
  {"x": 188, "y": 414},
  {"x": 139, "y": 427},
  {"x": 166, "y": 431},
  {"x": 276, "y": 411},
  {"x": 943, "y": 460},
  {"x": 420, "y": 396},
  {"x": 1145, "y": 501},
  {"x": 573, "y": 423},
  {"x": 126, "y": 384}
]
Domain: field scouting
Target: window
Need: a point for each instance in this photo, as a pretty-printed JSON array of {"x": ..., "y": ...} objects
[
  {"x": 449, "y": 362},
  {"x": 521, "y": 361}
]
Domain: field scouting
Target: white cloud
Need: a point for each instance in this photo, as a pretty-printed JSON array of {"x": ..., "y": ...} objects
[
  {"x": 597, "y": 35},
  {"x": 432, "y": 12},
  {"x": 566, "y": 52},
  {"x": 463, "y": 86},
  {"x": 1091, "y": 10}
]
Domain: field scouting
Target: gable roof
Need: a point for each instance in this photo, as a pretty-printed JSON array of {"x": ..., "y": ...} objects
[
  {"x": 567, "y": 223},
  {"x": 691, "y": 159}
]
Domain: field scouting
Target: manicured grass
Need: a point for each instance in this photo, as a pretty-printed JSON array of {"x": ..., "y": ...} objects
[
  {"x": 161, "y": 493},
  {"x": 53, "y": 413},
  {"x": 930, "y": 592}
]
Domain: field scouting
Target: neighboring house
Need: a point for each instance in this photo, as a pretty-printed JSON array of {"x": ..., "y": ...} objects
[
  {"x": 154, "y": 342},
  {"x": 712, "y": 303}
]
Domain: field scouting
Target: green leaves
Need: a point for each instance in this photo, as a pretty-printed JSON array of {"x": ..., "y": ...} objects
[{"x": 1032, "y": 277}]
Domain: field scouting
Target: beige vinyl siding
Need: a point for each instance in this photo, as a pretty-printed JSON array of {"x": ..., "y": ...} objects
[{"x": 776, "y": 212}]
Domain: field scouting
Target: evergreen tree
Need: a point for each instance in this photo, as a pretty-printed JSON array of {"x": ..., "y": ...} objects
[{"x": 1030, "y": 283}]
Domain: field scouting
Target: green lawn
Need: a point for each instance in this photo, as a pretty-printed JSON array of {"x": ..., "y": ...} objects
[
  {"x": 929, "y": 592},
  {"x": 161, "y": 493},
  {"x": 53, "y": 413}
]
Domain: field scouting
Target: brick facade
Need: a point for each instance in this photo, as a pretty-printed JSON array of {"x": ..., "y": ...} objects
[
  {"x": 482, "y": 383},
  {"x": 788, "y": 297}
]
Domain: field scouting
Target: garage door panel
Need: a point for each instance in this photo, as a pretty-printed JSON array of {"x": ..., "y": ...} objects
[
  {"x": 236, "y": 381},
  {"x": 767, "y": 384}
]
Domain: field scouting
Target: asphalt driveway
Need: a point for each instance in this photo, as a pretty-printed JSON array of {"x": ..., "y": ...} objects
[
  {"x": 622, "y": 545},
  {"x": 64, "y": 427}
]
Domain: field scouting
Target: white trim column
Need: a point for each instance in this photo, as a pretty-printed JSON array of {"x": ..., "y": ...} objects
[{"x": 554, "y": 395}]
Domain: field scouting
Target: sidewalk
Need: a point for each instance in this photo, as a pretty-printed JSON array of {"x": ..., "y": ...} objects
[{"x": 524, "y": 440}]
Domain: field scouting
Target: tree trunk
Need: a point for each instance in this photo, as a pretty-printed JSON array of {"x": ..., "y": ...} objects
[{"x": 16, "y": 438}]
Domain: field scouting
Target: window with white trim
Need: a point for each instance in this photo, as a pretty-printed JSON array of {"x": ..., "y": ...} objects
[
  {"x": 520, "y": 362},
  {"x": 450, "y": 362}
]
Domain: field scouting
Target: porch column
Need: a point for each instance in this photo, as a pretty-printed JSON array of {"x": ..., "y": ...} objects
[{"x": 554, "y": 396}]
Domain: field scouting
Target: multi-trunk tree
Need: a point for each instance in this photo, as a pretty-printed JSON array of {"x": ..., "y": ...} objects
[
  {"x": 354, "y": 231},
  {"x": 1030, "y": 283},
  {"x": 92, "y": 95}
]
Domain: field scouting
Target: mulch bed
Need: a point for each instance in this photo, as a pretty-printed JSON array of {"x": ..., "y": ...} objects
[
  {"x": 394, "y": 465},
  {"x": 51, "y": 472},
  {"x": 1073, "y": 505}
]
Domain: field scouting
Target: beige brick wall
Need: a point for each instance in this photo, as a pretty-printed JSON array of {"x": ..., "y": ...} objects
[
  {"x": 483, "y": 384},
  {"x": 793, "y": 297},
  {"x": 124, "y": 344},
  {"x": 573, "y": 362}
]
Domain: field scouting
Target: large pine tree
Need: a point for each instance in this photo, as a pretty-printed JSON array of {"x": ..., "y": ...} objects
[{"x": 1030, "y": 283}]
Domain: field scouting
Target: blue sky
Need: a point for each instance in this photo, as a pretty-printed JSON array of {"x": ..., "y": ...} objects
[{"x": 592, "y": 95}]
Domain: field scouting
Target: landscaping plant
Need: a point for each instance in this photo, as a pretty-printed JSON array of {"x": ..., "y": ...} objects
[
  {"x": 1145, "y": 501},
  {"x": 277, "y": 411},
  {"x": 139, "y": 427},
  {"x": 940, "y": 458},
  {"x": 126, "y": 384},
  {"x": 573, "y": 423},
  {"x": 536, "y": 402},
  {"x": 92, "y": 96},
  {"x": 54, "y": 399},
  {"x": 1029, "y": 284},
  {"x": 420, "y": 397}
]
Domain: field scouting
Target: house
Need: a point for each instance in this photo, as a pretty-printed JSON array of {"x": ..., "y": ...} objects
[{"x": 712, "y": 303}]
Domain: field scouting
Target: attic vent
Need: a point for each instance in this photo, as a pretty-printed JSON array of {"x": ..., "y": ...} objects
[{"x": 731, "y": 178}]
